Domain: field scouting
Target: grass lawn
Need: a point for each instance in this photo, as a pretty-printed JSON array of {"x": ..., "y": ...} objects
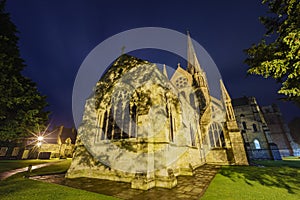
[
  {"x": 277, "y": 180},
  {"x": 17, "y": 187},
  {"x": 60, "y": 167},
  {"x": 6, "y": 165}
]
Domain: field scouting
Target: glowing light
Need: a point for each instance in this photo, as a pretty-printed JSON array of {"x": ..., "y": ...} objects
[
  {"x": 39, "y": 144},
  {"x": 40, "y": 138}
]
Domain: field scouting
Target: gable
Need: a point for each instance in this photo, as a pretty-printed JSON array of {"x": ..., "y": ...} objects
[{"x": 181, "y": 78}]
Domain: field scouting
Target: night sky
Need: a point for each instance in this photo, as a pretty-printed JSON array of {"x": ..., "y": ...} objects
[{"x": 56, "y": 36}]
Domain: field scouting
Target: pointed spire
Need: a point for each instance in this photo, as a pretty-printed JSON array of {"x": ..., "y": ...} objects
[
  {"x": 193, "y": 63},
  {"x": 165, "y": 71},
  {"x": 227, "y": 102},
  {"x": 224, "y": 91},
  {"x": 122, "y": 50}
]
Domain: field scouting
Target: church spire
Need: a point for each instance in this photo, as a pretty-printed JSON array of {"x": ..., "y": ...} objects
[
  {"x": 225, "y": 94},
  {"x": 165, "y": 71},
  {"x": 227, "y": 102},
  {"x": 193, "y": 65}
]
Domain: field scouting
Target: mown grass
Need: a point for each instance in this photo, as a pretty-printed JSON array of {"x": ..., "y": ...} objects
[
  {"x": 59, "y": 167},
  {"x": 17, "y": 187},
  {"x": 6, "y": 165},
  {"x": 270, "y": 180},
  {"x": 20, "y": 188}
]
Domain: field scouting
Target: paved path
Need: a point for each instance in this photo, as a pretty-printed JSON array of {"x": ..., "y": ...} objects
[
  {"x": 189, "y": 187},
  {"x": 5, "y": 175}
]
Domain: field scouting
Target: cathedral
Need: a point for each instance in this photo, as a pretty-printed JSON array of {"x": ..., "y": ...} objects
[{"x": 143, "y": 127}]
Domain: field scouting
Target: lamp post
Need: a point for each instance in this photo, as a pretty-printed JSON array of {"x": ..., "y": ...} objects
[{"x": 39, "y": 144}]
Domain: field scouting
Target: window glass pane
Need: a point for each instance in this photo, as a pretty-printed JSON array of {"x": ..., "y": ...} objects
[
  {"x": 15, "y": 151},
  {"x": 256, "y": 143},
  {"x": 211, "y": 139},
  {"x": 216, "y": 136},
  {"x": 254, "y": 127},
  {"x": 244, "y": 125},
  {"x": 3, "y": 151}
]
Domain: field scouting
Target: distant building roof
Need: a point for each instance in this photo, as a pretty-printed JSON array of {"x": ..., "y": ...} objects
[
  {"x": 69, "y": 133},
  {"x": 60, "y": 134},
  {"x": 240, "y": 101}
]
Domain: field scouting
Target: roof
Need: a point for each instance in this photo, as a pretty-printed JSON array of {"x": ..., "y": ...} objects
[
  {"x": 53, "y": 136},
  {"x": 243, "y": 101}
]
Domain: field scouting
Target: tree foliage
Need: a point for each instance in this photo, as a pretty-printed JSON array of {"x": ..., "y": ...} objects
[
  {"x": 280, "y": 57},
  {"x": 21, "y": 105}
]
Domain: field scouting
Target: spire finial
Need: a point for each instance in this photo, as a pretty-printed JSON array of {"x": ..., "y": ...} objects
[
  {"x": 193, "y": 63},
  {"x": 224, "y": 91},
  {"x": 123, "y": 50},
  {"x": 165, "y": 71},
  {"x": 227, "y": 102}
]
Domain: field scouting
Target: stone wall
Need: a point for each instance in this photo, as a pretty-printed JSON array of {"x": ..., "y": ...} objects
[
  {"x": 253, "y": 127},
  {"x": 278, "y": 129}
]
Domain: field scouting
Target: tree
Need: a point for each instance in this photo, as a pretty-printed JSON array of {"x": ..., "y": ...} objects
[
  {"x": 21, "y": 105},
  {"x": 279, "y": 58}
]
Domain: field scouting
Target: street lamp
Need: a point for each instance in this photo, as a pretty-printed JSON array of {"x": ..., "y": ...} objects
[
  {"x": 39, "y": 144},
  {"x": 40, "y": 138}
]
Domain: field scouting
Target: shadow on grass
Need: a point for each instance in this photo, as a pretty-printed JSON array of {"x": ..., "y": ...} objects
[{"x": 281, "y": 174}]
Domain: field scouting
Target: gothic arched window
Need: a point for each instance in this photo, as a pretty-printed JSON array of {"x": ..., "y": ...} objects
[
  {"x": 256, "y": 144},
  {"x": 192, "y": 100},
  {"x": 244, "y": 125},
  {"x": 193, "y": 137},
  {"x": 104, "y": 127},
  {"x": 216, "y": 136},
  {"x": 133, "y": 117},
  {"x": 254, "y": 128},
  {"x": 183, "y": 94}
]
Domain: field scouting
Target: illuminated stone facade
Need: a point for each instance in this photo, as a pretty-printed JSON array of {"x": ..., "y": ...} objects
[
  {"x": 144, "y": 128},
  {"x": 279, "y": 131},
  {"x": 255, "y": 130}
]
